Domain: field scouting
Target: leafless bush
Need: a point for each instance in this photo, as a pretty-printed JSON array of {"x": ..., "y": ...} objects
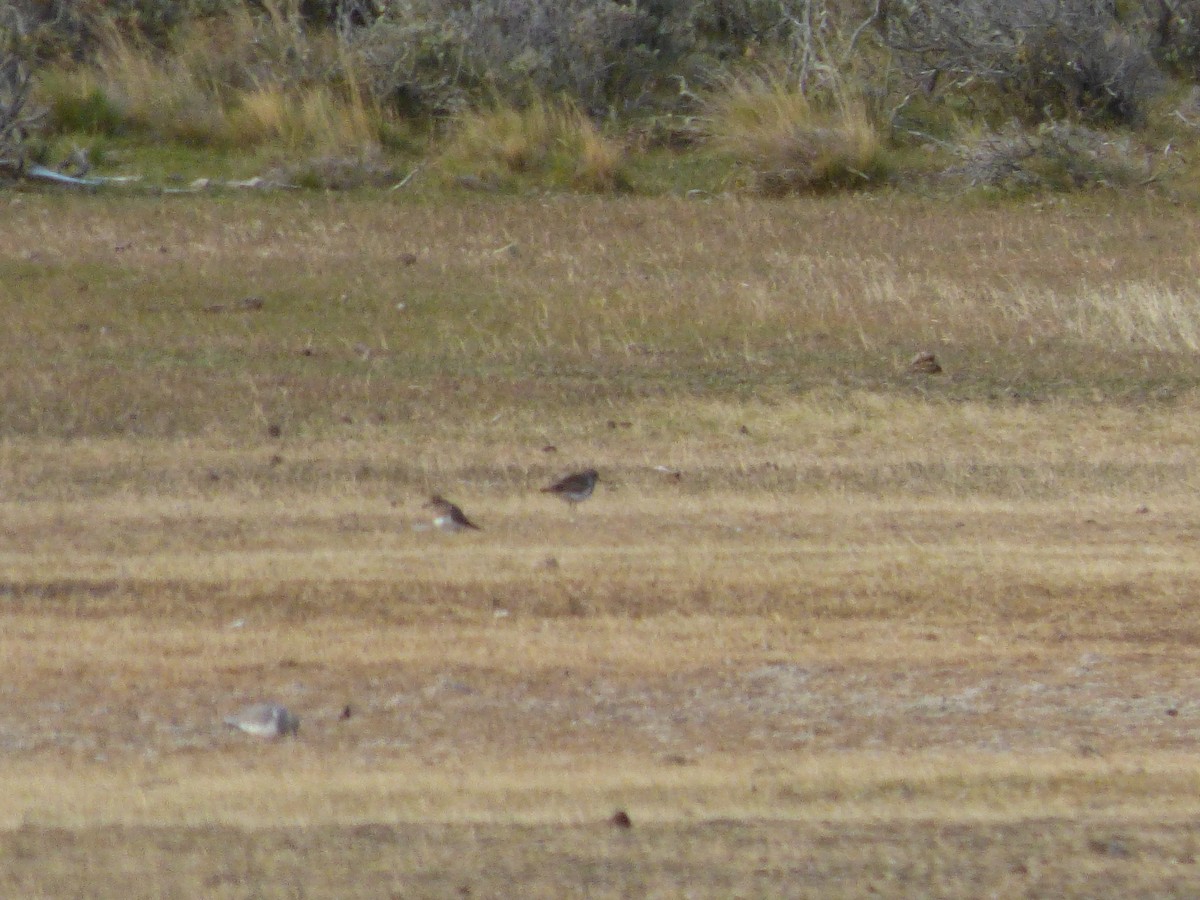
[
  {"x": 1054, "y": 156},
  {"x": 1176, "y": 34},
  {"x": 54, "y": 29},
  {"x": 342, "y": 13},
  {"x": 431, "y": 54},
  {"x": 415, "y": 67},
  {"x": 1056, "y": 57},
  {"x": 16, "y": 117}
]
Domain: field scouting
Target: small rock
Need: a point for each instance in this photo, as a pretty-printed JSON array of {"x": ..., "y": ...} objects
[{"x": 269, "y": 720}]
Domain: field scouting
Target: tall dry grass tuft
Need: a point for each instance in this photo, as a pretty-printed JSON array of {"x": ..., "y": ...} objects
[
  {"x": 553, "y": 140},
  {"x": 309, "y": 118},
  {"x": 157, "y": 95},
  {"x": 793, "y": 142},
  {"x": 1133, "y": 315},
  {"x": 242, "y": 81}
]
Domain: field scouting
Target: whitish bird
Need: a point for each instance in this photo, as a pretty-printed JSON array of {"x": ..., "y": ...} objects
[
  {"x": 449, "y": 517},
  {"x": 575, "y": 488},
  {"x": 268, "y": 720}
]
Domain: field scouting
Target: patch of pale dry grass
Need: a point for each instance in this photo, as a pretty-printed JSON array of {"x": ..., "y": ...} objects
[
  {"x": 314, "y": 118},
  {"x": 241, "y": 82},
  {"x": 796, "y": 142},
  {"x": 553, "y": 139},
  {"x": 849, "y": 789},
  {"x": 901, "y": 618}
]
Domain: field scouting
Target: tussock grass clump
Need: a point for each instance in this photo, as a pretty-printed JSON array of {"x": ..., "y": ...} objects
[
  {"x": 549, "y": 140},
  {"x": 311, "y": 117},
  {"x": 793, "y": 142},
  {"x": 241, "y": 82},
  {"x": 132, "y": 90}
]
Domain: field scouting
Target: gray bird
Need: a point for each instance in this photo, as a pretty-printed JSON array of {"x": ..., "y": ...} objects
[
  {"x": 575, "y": 488},
  {"x": 269, "y": 720},
  {"x": 447, "y": 516}
]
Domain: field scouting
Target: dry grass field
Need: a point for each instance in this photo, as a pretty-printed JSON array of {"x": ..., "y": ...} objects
[{"x": 827, "y": 627}]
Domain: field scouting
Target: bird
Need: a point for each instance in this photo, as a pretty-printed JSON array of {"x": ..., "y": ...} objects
[
  {"x": 268, "y": 720},
  {"x": 575, "y": 488},
  {"x": 449, "y": 517},
  {"x": 925, "y": 363}
]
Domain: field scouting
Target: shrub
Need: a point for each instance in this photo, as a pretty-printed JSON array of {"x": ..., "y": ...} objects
[
  {"x": 436, "y": 57},
  {"x": 16, "y": 118},
  {"x": 80, "y": 105},
  {"x": 412, "y": 67},
  {"x": 1051, "y": 58},
  {"x": 1056, "y": 156},
  {"x": 1176, "y": 36},
  {"x": 58, "y": 29}
]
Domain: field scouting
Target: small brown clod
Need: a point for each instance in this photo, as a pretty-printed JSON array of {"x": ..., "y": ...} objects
[
  {"x": 274, "y": 430},
  {"x": 620, "y": 819}
]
